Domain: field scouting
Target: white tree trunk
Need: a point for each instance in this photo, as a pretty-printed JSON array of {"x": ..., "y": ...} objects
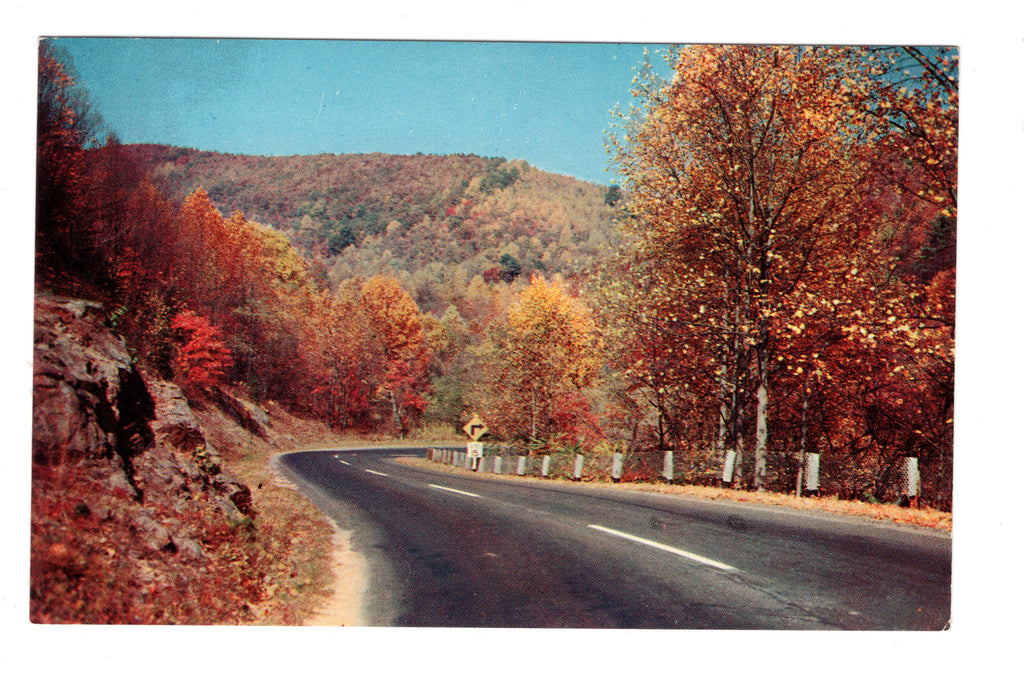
[{"x": 761, "y": 448}]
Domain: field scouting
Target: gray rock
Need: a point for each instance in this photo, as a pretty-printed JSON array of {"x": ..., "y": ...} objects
[
  {"x": 175, "y": 422},
  {"x": 237, "y": 492},
  {"x": 88, "y": 400},
  {"x": 247, "y": 415},
  {"x": 152, "y": 534},
  {"x": 133, "y": 434},
  {"x": 189, "y": 547},
  {"x": 119, "y": 480}
]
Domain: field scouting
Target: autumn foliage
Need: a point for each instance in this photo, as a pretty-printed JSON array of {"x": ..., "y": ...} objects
[
  {"x": 205, "y": 299},
  {"x": 546, "y": 353},
  {"x": 774, "y": 275},
  {"x": 774, "y": 301},
  {"x": 202, "y": 359}
]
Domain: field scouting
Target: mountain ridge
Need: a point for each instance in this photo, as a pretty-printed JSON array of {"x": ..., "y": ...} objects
[{"x": 409, "y": 215}]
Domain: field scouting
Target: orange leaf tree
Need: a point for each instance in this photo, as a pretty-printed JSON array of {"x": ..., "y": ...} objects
[
  {"x": 338, "y": 361},
  {"x": 399, "y": 342},
  {"x": 203, "y": 358},
  {"x": 754, "y": 253},
  {"x": 915, "y": 91}
]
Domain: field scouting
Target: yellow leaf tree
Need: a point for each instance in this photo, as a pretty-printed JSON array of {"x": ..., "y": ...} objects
[{"x": 545, "y": 353}]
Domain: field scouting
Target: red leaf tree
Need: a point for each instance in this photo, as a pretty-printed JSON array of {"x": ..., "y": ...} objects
[{"x": 203, "y": 358}]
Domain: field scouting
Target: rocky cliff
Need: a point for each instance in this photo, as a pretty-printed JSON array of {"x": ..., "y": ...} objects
[{"x": 128, "y": 494}]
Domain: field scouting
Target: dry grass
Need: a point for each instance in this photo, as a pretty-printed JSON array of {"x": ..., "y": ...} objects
[
  {"x": 926, "y": 517},
  {"x": 295, "y": 540}
]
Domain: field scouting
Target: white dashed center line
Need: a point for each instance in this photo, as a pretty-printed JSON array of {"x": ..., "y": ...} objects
[
  {"x": 445, "y": 488},
  {"x": 666, "y": 548},
  {"x": 379, "y": 474}
]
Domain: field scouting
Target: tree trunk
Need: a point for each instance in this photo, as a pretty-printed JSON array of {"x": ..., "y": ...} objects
[
  {"x": 761, "y": 448},
  {"x": 740, "y": 365},
  {"x": 803, "y": 438},
  {"x": 723, "y": 392},
  {"x": 737, "y": 472},
  {"x": 803, "y": 435},
  {"x": 396, "y": 414},
  {"x": 533, "y": 418}
]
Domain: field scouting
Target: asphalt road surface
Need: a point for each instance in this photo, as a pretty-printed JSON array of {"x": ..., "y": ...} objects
[{"x": 454, "y": 549}]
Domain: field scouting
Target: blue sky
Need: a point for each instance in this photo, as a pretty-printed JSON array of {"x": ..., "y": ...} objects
[{"x": 547, "y": 103}]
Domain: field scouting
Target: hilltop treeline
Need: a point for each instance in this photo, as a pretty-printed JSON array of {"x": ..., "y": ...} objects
[{"x": 434, "y": 222}]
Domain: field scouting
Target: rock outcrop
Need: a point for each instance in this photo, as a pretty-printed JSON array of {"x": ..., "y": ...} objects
[
  {"x": 88, "y": 399},
  {"x": 137, "y": 434},
  {"x": 247, "y": 415},
  {"x": 195, "y": 465}
]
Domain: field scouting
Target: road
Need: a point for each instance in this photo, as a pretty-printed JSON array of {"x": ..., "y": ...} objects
[{"x": 459, "y": 549}]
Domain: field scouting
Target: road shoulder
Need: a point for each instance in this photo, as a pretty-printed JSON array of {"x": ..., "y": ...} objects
[{"x": 924, "y": 518}]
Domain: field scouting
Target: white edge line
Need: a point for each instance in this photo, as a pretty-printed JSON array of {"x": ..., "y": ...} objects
[
  {"x": 445, "y": 488},
  {"x": 380, "y": 474},
  {"x": 666, "y": 548}
]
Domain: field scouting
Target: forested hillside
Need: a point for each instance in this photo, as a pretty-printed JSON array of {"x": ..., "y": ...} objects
[{"x": 434, "y": 222}]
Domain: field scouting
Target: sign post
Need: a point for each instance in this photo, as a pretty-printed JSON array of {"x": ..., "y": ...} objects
[
  {"x": 474, "y": 454},
  {"x": 474, "y": 429}
]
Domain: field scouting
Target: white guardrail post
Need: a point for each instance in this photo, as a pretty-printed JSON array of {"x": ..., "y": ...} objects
[
  {"x": 667, "y": 468},
  {"x": 545, "y": 466},
  {"x": 616, "y": 467},
  {"x": 913, "y": 479},
  {"x": 727, "y": 467},
  {"x": 812, "y": 468},
  {"x": 577, "y": 472}
]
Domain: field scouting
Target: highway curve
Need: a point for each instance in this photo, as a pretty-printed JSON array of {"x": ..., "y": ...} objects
[{"x": 458, "y": 549}]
